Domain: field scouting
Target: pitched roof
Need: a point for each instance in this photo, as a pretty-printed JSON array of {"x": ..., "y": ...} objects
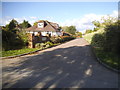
[{"x": 48, "y": 26}]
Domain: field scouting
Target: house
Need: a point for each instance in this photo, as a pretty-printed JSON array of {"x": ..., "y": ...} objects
[{"x": 45, "y": 28}]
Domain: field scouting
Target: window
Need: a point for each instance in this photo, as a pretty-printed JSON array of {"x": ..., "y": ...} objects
[{"x": 40, "y": 25}]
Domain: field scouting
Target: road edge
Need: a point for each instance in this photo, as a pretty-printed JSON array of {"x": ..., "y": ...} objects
[{"x": 99, "y": 61}]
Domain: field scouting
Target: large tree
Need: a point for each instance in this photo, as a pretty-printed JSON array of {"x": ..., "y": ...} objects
[
  {"x": 12, "y": 38},
  {"x": 71, "y": 29},
  {"x": 25, "y": 24},
  {"x": 11, "y": 26}
]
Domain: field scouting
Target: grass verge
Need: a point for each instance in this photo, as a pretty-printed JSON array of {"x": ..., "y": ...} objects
[
  {"x": 18, "y": 52},
  {"x": 23, "y": 51},
  {"x": 108, "y": 58}
]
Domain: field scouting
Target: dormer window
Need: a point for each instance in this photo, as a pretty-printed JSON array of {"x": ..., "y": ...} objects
[{"x": 40, "y": 25}]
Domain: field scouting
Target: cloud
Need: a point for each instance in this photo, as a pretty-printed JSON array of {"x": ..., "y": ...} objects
[
  {"x": 81, "y": 23},
  {"x": 33, "y": 17},
  {"x": 30, "y": 19},
  {"x": 115, "y": 13},
  {"x": 86, "y": 21}
]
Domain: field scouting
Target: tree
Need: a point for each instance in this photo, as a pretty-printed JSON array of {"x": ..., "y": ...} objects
[
  {"x": 35, "y": 24},
  {"x": 105, "y": 21},
  {"x": 11, "y": 26},
  {"x": 78, "y": 34},
  {"x": 96, "y": 23},
  {"x": 70, "y": 29},
  {"x": 108, "y": 20},
  {"x": 88, "y": 31},
  {"x": 11, "y": 39},
  {"x": 25, "y": 24}
]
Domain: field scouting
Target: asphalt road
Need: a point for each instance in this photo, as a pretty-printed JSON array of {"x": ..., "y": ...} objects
[{"x": 69, "y": 65}]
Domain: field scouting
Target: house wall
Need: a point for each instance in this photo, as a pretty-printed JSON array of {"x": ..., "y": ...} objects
[
  {"x": 45, "y": 33},
  {"x": 52, "y": 33},
  {"x": 33, "y": 32}
]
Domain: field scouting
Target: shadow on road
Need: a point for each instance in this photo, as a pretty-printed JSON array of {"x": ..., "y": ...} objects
[{"x": 64, "y": 67}]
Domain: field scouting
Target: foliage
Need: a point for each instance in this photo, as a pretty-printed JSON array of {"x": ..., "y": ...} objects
[
  {"x": 88, "y": 31},
  {"x": 10, "y": 40},
  {"x": 70, "y": 29},
  {"x": 106, "y": 42},
  {"x": 35, "y": 24},
  {"x": 23, "y": 36},
  {"x": 18, "y": 52},
  {"x": 98, "y": 40},
  {"x": 13, "y": 38},
  {"x": 109, "y": 40},
  {"x": 108, "y": 20},
  {"x": 25, "y": 24},
  {"x": 13, "y": 23},
  {"x": 108, "y": 58},
  {"x": 105, "y": 21},
  {"x": 89, "y": 36},
  {"x": 44, "y": 45},
  {"x": 112, "y": 38},
  {"x": 55, "y": 40},
  {"x": 78, "y": 34},
  {"x": 61, "y": 39},
  {"x": 96, "y": 23}
]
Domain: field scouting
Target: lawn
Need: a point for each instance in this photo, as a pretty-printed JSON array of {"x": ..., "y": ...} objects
[{"x": 18, "y": 52}]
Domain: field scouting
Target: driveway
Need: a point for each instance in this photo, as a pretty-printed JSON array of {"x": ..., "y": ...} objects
[{"x": 69, "y": 65}]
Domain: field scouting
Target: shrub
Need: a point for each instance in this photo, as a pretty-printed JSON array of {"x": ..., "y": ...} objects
[
  {"x": 66, "y": 38},
  {"x": 98, "y": 40},
  {"x": 112, "y": 38},
  {"x": 44, "y": 45},
  {"x": 55, "y": 40},
  {"x": 40, "y": 45},
  {"x": 109, "y": 40},
  {"x": 61, "y": 39},
  {"x": 11, "y": 41},
  {"x": 48, "y": 44}
]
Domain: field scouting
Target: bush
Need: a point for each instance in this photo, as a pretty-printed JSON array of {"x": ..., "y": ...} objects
[
  {"x": 55, "y": 39},
  {"x": 109, "y": 40},
  {"x": 66, "y": 38},
  {"x": 98, "y": 40},
  {"x": 44, "y": 45},
  {"x": 61, "y": 39},
  {"x": 11, "y": 41},
  {"x": 112, "y": 38}
]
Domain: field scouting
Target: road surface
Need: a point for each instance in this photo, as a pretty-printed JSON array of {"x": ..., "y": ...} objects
[{"x": 69, "y": 65}]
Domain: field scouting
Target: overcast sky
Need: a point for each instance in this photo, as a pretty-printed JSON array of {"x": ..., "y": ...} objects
[{"x": 79, "y": 14}]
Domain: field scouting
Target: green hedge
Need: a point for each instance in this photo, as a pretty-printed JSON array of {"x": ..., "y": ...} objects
[
  {"x": 109, "y": 40},
  {"x": 61, "y": 39}
]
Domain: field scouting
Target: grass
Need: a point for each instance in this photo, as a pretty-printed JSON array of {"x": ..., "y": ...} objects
[
  {"x": 22, "y": 51},
  {"x": 89, "y": 36},
  {"x": 108, "y": 58},
  {"x": 18, "y": 52}
]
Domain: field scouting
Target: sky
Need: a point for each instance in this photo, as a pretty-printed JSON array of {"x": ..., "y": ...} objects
[{"x": 79, "y": 14}]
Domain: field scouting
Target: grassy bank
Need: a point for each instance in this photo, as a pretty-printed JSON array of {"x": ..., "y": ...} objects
[
  {"x": 108, "y": 58},
  {"x": 18, "y": 52}
]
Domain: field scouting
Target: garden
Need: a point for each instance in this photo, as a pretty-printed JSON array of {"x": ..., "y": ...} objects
[{"x": 15, "y": 39}]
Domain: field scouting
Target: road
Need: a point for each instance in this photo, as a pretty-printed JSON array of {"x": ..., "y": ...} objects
[{"x": 69, "y": 65}]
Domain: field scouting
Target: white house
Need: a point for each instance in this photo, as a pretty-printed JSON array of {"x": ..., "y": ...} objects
[{"x": 45, "y": 27}]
